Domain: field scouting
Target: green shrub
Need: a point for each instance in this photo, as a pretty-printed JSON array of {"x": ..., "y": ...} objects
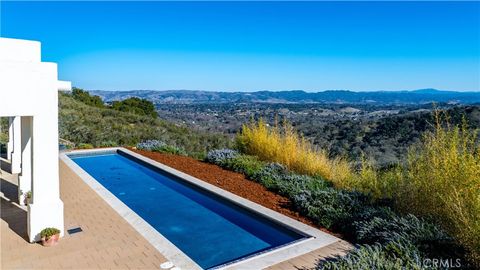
[
  {"x": 270, "y": 175},
  {"x": 171, "y": 149},
  {"x": 248, "y": 165},
  {"x": 85, "y": 97},
  {"x": 425, "y": 236},
  {"x": 108, "y": 144},
  {"x": 370, "y": 180},
  {"x": 150, "y": 145},
  {"x": 232, "y": 160},
  {"x": 49, "y": 232},
  {"x": 220, "y": 156},
  {"x": 276, "y": 177},
  {"x": 160, "y": 146},
  {"x": 136, "y": 105},
  {"x": 84, "y": 146},
  {"x": 367, "y": 212},
  {"x": 331, "y": 208},
  {"x": 292, "y": 184},
  {"x": 3, "y": 137},
  {"x": 409, "y": 227},
  {"x": 395, "y": 255}
]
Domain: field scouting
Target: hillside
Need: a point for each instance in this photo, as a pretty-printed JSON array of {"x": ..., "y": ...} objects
[
  {"x": 379, "y": 125},
  {"x": 383, "y": 133},
  {"x": 423, "y": 96},
  {"x": 384, "y": 139},
  {"x": 81, "y": 123}
]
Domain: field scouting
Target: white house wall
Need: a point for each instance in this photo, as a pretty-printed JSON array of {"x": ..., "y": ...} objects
[
  {"x": 29, "y": 88},
  {"x": 16, "y": 156},
  {"x": 19, "y": 50},
  {"x": 25, "y": 178}
]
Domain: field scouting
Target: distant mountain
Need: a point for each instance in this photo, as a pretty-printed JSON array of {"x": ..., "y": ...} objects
[{"x": 421, "y": 96}]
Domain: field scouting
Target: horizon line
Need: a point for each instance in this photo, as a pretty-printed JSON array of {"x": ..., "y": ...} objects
[{"x": 285, "y": 90}]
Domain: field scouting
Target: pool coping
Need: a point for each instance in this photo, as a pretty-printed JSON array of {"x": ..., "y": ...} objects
[{"x": 316, "y": 240}]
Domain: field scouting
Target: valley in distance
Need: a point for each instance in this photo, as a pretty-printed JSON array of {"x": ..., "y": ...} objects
[{"x": 379, "y": 125}]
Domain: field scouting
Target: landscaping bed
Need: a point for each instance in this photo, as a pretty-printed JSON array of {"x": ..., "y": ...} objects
[{"x": 385, "y": 238}]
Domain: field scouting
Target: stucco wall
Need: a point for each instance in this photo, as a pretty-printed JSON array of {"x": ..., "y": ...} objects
[{"x": 29, "y": 87}]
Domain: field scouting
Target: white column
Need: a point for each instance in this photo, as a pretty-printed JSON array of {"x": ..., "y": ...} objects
[
  {"x": 17, "y": 145},
  {"x": 46, "y": 210},
  {"x": 10, "y": 138},
  {"x": 25, "y": 178}
]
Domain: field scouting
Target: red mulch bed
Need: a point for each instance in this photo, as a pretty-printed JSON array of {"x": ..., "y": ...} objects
[{"x": 230, "y": 181}]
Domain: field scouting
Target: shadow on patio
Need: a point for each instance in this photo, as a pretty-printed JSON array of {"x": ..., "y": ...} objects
[{"x": 13, "y": 214}]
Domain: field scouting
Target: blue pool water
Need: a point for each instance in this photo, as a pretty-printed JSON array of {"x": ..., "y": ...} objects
[{"x": 210, "y": 230}]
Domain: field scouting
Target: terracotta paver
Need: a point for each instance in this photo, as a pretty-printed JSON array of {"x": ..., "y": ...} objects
[{"x": 107, "y": 240}]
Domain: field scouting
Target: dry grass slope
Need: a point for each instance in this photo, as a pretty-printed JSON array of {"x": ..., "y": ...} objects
[{"x": 282, "y": 144}]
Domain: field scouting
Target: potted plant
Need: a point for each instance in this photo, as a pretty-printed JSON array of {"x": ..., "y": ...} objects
[
  {"x": 28, "y": 197},
  {"x": 50, "y": 236}
]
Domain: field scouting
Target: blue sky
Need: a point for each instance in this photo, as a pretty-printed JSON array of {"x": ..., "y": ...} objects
[{"x": 247, "y": 46}]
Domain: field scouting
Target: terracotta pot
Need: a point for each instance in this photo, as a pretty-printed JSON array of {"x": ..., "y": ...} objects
[
  {"x": 51, "y": 241},
  {"x": 26, "y": 201}
]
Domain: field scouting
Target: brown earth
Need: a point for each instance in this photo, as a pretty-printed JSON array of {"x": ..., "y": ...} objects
[{"x": 231, "y": 181}]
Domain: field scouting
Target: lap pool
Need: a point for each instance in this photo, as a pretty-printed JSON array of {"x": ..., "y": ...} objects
[{"x": 208, "y": 228}]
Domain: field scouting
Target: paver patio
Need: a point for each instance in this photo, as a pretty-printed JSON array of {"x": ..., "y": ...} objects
[{"x": 107, "y": 240}]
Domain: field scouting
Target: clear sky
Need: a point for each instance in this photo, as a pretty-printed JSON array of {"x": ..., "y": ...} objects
[{"x": 246, "y": 46}]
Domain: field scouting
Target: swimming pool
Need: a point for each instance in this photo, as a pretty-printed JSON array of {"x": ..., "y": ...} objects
[{"x": 210, "y": 229}]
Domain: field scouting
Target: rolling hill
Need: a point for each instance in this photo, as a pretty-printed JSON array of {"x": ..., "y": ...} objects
[{"x": 422, "y": 96}]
